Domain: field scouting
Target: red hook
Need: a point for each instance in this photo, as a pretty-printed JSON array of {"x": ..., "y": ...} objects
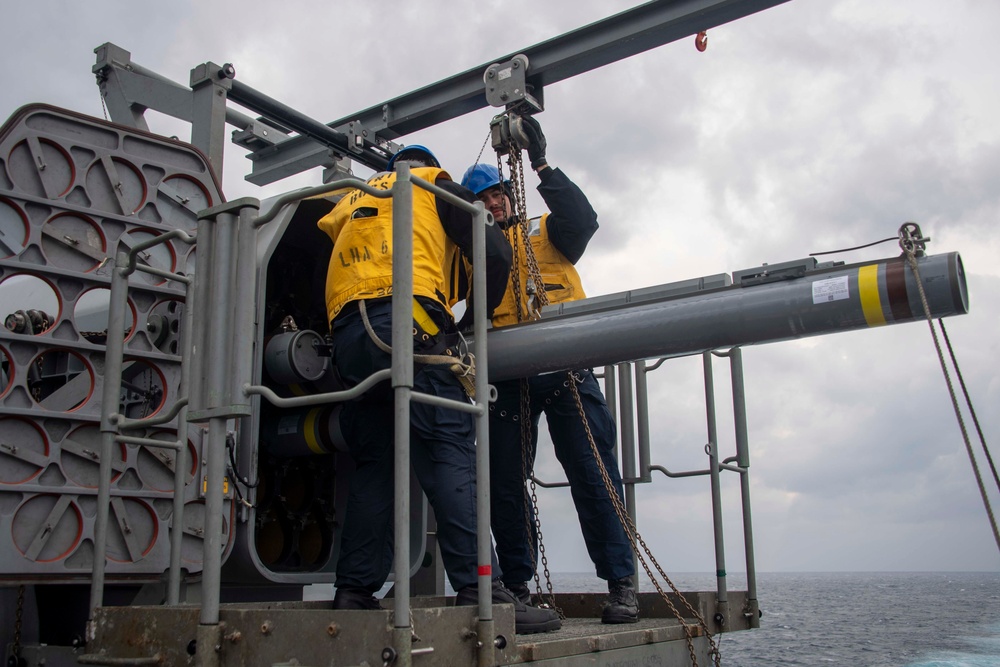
[{"x": 701, "y": 41}]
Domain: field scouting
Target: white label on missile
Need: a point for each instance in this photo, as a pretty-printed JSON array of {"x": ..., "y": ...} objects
[{"x": 833, "y": 289}]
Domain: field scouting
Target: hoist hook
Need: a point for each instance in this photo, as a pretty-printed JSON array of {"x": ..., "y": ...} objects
[{"x": 701, "y": 41}]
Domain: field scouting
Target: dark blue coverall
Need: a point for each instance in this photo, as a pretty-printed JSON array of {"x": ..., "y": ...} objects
[
  {"x": 442, "y": 446},
  {"x": 571, "y": 224}
]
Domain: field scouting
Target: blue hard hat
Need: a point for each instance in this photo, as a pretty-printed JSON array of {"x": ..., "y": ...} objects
[
  {"x": 416, "y": 151},
  {"x": 480, "y": 177}
]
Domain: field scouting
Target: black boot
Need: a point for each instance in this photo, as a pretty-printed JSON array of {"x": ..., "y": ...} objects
[
  {"x": 521, "y": 592},
  {"x": 622, "y": 606},
  {"x": 355, "y": 598},
  {"x": 527, "y": 620}
]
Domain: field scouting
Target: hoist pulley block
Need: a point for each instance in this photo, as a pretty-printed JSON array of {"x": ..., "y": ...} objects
[
  {"x": 506, "y": 131},
  {"x": 507, "y": 85}
]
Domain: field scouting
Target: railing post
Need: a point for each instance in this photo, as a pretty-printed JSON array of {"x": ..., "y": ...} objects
[
  {"x": 181, "y": 457},
  {"x": 110, "y": 398},
  {"x": 484, "y": 542},
  {"x": 743, "y": 461},
  {"x": 626, "y": 429},
  {"x": 642, "y": 420},
  {"x": 402, "y": 385},
  {"x": 712, "y": 449}
]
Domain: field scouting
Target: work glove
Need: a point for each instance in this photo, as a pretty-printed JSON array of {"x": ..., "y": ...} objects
[{"x": 536, "y": 141}]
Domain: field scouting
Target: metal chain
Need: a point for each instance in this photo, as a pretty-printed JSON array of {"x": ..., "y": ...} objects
[
  {"x": 912, "y": 243},
  {"x": 536, "y": 286},
  {"x": 535, "y": 291},
  {"x": 514, "y": 239},
  {"x": 517, "y": 234},
  {"x": 15, "y": 650},
  {"x": 531, "y": 514},
  {"x": 636, "y": 538},
  {"x": 482, "y": 148}
]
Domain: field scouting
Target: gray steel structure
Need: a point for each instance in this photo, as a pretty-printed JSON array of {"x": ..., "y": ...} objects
[
  {"x": 366, "y": 135},
  {"x": 72, "y": 190}
]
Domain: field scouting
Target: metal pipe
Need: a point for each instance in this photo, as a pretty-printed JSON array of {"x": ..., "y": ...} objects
[
  {"x": 147, "y": 442},
  {"x": 473, "y": 408},
  {"x": 743, "y": 455},
  {"x": 611, "y": 397},
  {"x": 642, "y": 420},
  {"x": 739, "y": 406},
  {"x": 245, "y": 281},
  {"x": 712, "y": 449},
  {"x": 306, "y": 193},
  {"x": 484, "y": 543},
  {"x": 181, "y": 458},
  {"x": 402, "y": 383},
  {"x": 168, "y": 416},
  {"x": 113, "y": 354},
  {"x": 162, "y": 273},
  {"x": 319, "y": 399},
  {"x": 216, "y": 395},
  {"x": 209, "y": 631},
  {"x": 202, "y": 278},
  {"x": 678, "y": 475},
  {"x": 132, "y": 263},
  {"x": 626, "y": 428},
  {"x": 874, "y": 294}
]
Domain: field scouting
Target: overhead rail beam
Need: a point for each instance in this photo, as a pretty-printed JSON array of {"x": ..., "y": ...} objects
[
  {"x": 601, "y": 43},
  {"x": 130, "y": 89}
]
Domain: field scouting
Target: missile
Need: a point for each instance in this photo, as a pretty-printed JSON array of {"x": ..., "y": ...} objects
[{"x": 766, "y": 304}]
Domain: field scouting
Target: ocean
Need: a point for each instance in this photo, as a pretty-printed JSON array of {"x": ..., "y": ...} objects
[{"x": 855, "y": 619}]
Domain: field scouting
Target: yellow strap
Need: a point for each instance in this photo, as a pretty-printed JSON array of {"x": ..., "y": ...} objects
[
  {"x": 424, "y": 320},
  {"x": 871, "y": 304}
]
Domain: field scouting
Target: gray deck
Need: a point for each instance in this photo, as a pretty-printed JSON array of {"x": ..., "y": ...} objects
[{"x": 310, "y": 633}]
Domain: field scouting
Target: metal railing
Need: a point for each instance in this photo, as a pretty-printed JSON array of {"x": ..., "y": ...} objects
[
  {"x": 215, "y": 387},
  {"x": 627, "y": 394}
]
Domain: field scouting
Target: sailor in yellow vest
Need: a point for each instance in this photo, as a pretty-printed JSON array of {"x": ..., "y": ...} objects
[
  {"x": 558, "y": 239},
  {"x": 442, "y": 446}
]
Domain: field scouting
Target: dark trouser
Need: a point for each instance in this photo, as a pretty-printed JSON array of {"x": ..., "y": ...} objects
[
  {"x": 442, "y": 453},
  {"x": 606, "y": 540}
]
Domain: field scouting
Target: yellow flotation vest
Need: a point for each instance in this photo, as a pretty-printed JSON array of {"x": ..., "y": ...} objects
[
  {"x": 562, "y": 282},
  {"x": 361, "y": 228}
]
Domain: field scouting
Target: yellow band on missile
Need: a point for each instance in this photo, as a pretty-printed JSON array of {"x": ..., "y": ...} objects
[{"x": 871, "y": 304}]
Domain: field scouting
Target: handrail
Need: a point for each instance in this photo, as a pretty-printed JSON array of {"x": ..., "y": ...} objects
[{"x": 638, "y": 401}]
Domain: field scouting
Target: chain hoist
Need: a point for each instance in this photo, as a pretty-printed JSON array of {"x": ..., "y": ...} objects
[
  {"x": 508, "y": 140},
  {"x": 511, "y": 140}
]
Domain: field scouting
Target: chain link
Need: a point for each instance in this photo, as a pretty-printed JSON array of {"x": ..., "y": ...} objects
[
  {"x": 636, "y": 538},
  {"x": 517, "y": 235},
  {"x": 15, "y": 650},
  {"x": 531, "y": 514}
]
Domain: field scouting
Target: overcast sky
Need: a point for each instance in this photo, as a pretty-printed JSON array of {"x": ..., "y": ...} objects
[{"x": 812, "y": 126}]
